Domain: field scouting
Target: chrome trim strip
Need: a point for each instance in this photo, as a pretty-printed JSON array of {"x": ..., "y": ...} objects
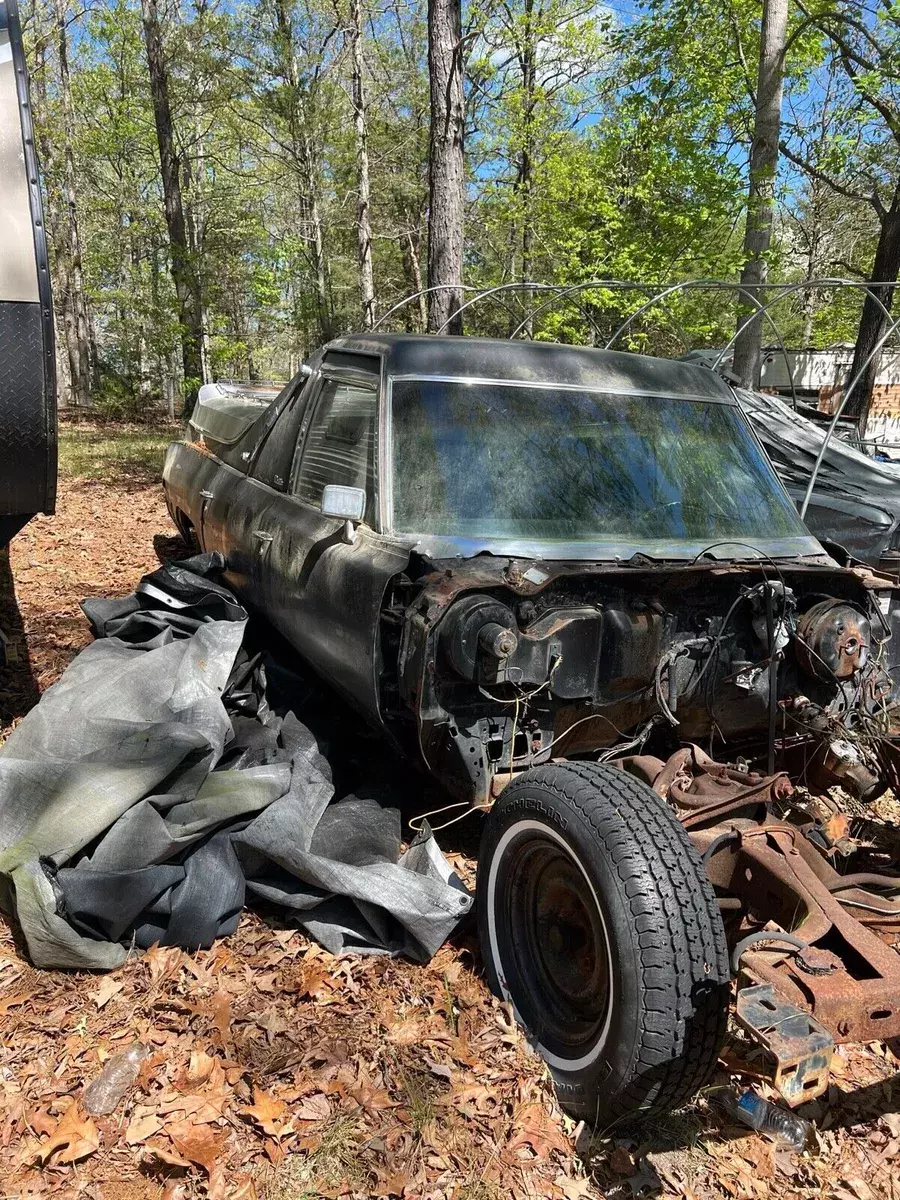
[
  {"x": 387, "y": 500},
  {"x": 712, "y": 398}
]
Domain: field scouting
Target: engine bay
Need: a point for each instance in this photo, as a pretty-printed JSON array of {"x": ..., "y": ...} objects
[{"x": 508, "y": 665}]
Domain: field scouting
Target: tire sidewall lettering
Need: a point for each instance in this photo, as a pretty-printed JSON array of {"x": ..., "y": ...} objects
[{"x": 534, "y": 804}]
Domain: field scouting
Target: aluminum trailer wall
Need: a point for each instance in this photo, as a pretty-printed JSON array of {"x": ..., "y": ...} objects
[{"x": 27, "y": 351}]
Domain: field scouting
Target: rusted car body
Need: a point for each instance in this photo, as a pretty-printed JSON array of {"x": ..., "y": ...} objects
[{"x": 508, "y": 555}]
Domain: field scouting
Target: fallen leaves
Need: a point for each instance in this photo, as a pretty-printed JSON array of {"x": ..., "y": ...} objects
[
  {"x": 108, "y": 988},
  {"x": 197, "y": 1143},
  {"x": 273, "y": 1063},
  {"x": 267, "y": 1112},
  {"x": 221, "y": 1016},
  {"x": 533, "y": 1126},
  {"x": 8, "y": 1002},
  {"x": 143, "y": 1125},
  {"x": 163, "y": 962},
  {"x": 74, "y": 1138}
]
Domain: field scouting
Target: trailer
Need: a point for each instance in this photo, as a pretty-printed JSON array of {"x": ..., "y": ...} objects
[{"x": 27, "y": 356}]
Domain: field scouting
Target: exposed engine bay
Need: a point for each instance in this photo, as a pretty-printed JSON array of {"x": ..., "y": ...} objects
[
  {"x": 777, "y": 671},
  {"x": 510, "y": 665}
]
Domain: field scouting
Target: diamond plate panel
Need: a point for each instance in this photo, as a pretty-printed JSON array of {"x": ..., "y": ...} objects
[{"x": 25, "y": 425}]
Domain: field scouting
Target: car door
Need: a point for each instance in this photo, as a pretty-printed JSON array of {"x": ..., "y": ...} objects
[
  {"x": 237, "y": 508},
  {"x": 323, "y": 588}
]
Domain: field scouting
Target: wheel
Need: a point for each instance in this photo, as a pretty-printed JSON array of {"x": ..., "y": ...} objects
[{"x": 598, "y": 923}]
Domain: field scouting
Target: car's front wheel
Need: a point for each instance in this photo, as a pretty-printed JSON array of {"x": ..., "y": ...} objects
[{"x": 598, "y": 924}]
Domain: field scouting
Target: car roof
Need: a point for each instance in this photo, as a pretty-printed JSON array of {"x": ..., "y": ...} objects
[{"x": 536, "y": 363}]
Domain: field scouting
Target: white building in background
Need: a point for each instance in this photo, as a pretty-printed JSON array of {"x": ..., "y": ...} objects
[{"x": 820, "y": 377}]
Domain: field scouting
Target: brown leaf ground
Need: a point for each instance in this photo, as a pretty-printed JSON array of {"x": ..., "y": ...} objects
[{"x": 276, "y": 1071}]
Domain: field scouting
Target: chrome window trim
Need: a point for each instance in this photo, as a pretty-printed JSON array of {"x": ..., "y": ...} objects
[
  {"x": 659, "y": 551},
  {"x": 729, "y": 400},
  {"x": 451, "y": 546}
]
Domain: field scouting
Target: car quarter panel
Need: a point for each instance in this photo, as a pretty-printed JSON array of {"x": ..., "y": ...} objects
[{"x": 325, "y": 596}]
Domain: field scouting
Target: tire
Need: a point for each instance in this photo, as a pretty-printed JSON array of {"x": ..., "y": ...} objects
[{"x": 598, "y": 923}]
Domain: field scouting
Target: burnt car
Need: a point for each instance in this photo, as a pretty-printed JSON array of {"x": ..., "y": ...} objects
[{"x": 570, "y": 584}]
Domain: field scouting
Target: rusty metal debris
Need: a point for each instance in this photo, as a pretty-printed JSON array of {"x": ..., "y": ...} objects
[
  {"x": 811, "y": 945},
  {"x": 800, "y": 1047}
]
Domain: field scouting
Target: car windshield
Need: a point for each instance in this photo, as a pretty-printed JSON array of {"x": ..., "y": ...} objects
[{"x": 496, "y": 460}]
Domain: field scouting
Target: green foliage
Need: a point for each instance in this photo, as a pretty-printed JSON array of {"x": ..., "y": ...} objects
[{"x": 603, "y": 143}]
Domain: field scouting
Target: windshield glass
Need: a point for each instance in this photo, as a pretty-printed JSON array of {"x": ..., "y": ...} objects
[{"x": 494, "y": 460}]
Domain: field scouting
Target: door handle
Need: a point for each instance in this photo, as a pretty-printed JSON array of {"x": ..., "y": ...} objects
[
  {"x": 205, "y": 494},
  {"x": 262, "y": 536}
]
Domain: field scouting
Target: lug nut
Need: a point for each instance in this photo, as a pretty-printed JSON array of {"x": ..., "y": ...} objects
[{"x": 494, "y": 639}]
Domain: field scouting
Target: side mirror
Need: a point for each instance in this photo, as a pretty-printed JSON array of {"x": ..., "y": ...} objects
[{"x": 346, "y": 502}]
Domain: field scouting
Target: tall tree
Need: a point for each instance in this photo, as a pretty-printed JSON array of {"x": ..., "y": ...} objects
[
  {"x": 65, "y": 224},
  {"x": 363, "y": 186},
  {"x": 296, "y": 105},
  {"x": 869, "y": 52},
  {"x": 539, "y": 73},
  {"x": 761, "y": 189},
  {"x": 860, "y": 159},
  {"x": 446, "y": 165},
  {"x": 184, "y": 274}
]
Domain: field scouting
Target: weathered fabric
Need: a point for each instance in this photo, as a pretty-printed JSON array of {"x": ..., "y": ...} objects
[{"x": 153, "y": 790}]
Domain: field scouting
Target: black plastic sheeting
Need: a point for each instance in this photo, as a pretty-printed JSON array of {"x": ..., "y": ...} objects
[
  {"x": 154, "y": 790},
  {"x": 856, "y": 500}
]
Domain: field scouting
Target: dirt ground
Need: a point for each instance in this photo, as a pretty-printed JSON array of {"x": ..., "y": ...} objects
[{"x": 277, "y": 1071}]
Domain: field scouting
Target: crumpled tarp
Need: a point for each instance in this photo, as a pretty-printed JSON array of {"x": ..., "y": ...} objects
[
  {"x": 856, "y": 500},
  {"x": 153, "y": 790}
]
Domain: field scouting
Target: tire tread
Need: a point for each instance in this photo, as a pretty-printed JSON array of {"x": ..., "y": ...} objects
[{"x": 683, "y": 957}]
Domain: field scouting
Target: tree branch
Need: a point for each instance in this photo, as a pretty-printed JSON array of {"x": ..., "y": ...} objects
[{"x": 822, "y": 177}]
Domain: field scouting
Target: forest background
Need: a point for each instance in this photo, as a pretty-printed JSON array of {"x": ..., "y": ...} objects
[{"x": 227, "y": 185}]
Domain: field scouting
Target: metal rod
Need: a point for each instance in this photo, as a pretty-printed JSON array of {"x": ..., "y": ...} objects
[{"x": 773, "y": 674}]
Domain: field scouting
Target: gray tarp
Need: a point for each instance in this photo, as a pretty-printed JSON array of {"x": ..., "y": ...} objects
[
  {"x": 153, "y": 787},
  {"x": 856, "y": 501}
]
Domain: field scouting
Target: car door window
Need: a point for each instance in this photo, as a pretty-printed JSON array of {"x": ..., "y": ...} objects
[
  {"x": 273, "y": 460},
  {"x": 339, "y": 447}
]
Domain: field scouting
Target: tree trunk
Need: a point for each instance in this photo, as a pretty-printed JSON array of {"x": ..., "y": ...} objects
[
  {"x": 363, "y": 190},
  {"x": 446, "y": 165},
  {"x": 184, "y": 277},
  {"x": 873, "y": 322},
  {"x": 528, "y": 63},
  {"x": 761, "y": 194},
  {"x": 412, "y": 268},
  {"x": 317, "y": 231},
  {"x": 307, "y": 166},
  {"x": 80, "y": 344}
]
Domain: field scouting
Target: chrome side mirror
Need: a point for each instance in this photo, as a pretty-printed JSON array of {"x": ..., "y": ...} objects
[{"x": 348, "y": 503}]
